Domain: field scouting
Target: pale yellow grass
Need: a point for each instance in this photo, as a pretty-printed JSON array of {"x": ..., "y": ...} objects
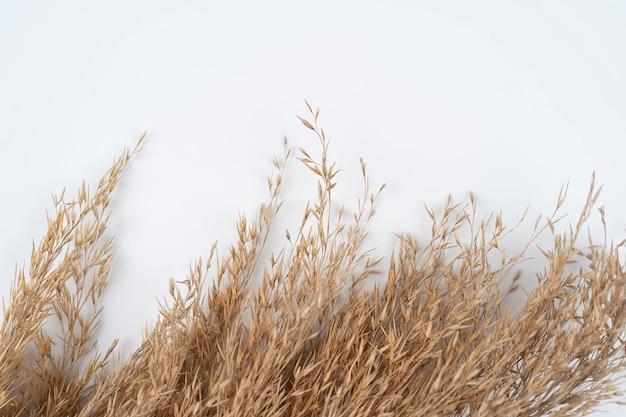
[{"x": 314, "y": 337}]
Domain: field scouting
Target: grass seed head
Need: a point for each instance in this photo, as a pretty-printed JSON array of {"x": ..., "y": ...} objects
[{"x": 311, "y": 337}]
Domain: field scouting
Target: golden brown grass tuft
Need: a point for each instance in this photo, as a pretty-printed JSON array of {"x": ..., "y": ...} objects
[{"x": 311, "y": 338}]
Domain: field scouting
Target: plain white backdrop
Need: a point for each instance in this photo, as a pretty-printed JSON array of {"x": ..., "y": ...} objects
[{"x": 509, "y": 100}]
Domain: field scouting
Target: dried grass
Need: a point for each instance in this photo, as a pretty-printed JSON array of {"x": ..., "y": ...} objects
[{"x": 314, "y": 337}]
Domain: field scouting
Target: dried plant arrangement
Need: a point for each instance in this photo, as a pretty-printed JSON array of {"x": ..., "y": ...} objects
[{"x": 304, "y": 332}]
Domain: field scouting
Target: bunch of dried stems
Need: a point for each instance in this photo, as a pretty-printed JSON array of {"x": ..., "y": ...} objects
[{"x": 314, "y": 337}]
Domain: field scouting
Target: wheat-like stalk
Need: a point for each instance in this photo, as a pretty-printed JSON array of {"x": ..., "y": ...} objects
[{"x": 314, "y": 336}]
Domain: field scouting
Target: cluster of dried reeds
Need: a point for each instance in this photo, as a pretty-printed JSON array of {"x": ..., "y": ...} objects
[{"x": 311, "y": 338}]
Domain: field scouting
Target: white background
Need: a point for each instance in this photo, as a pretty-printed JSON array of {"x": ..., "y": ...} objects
[{"x": 506, "y": 99}]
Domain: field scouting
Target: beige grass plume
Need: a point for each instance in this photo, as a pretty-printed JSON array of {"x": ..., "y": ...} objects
[{"x": 311, "y": 338}]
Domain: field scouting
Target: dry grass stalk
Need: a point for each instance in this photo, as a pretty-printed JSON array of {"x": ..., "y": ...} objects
[{"x": 311, "y": 339}]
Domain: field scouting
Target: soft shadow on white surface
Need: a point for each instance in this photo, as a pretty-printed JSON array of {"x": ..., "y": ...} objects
[{"x": 507, "y": 100}]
